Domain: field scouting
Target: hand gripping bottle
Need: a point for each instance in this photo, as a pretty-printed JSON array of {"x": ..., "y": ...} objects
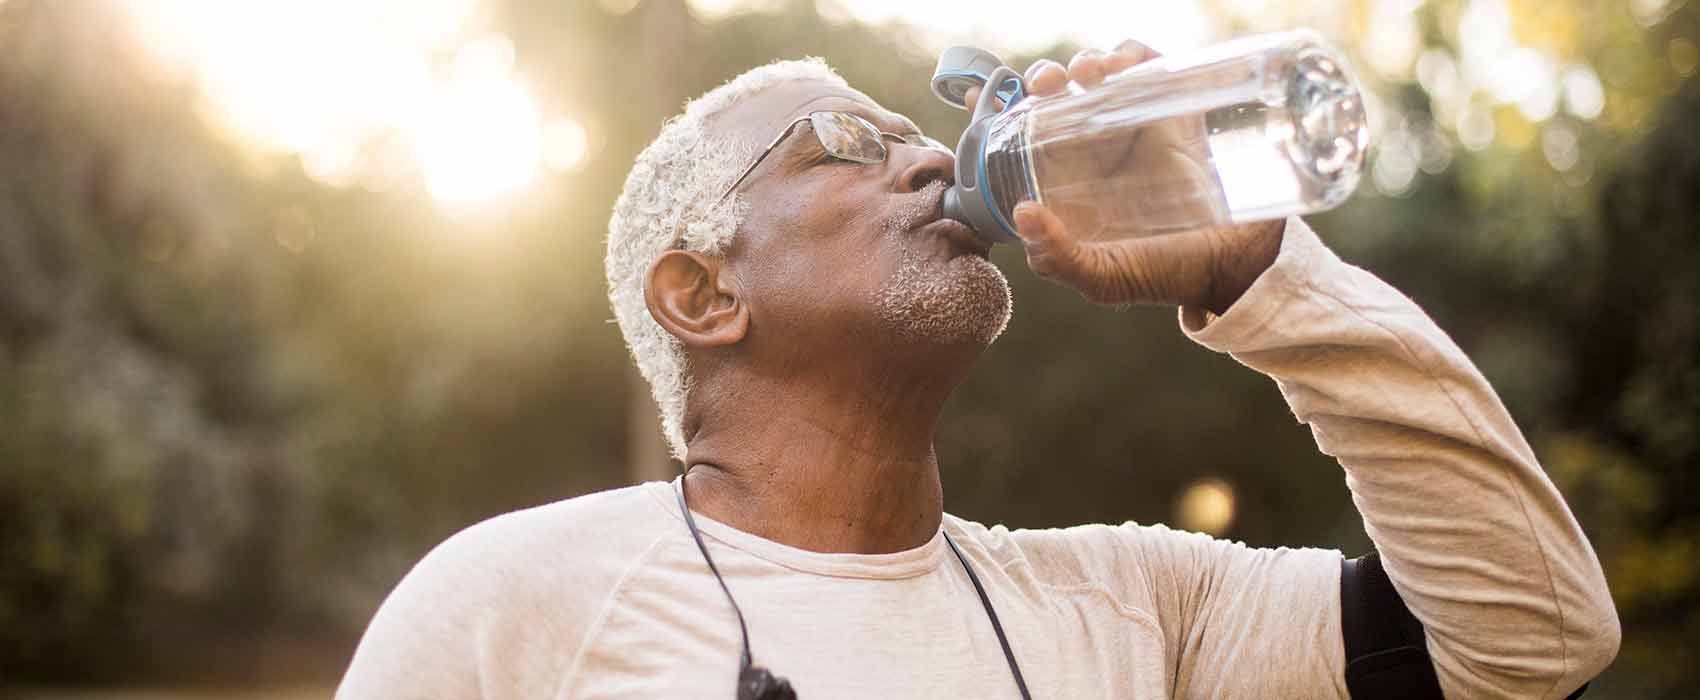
[{"x": 1258, "y": 128}]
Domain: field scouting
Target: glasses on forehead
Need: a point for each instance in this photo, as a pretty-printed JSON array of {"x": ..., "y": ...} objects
[{"x": 845, "y": 136}]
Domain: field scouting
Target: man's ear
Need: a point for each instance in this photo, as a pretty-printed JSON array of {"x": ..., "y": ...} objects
[{"x": 686, "y": 295}]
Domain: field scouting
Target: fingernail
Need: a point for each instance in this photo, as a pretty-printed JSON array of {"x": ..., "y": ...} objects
[{"x": 1024, "y": 216}]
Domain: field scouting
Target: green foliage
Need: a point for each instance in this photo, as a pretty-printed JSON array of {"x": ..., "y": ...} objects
[{"x": 1638, "y": 397}]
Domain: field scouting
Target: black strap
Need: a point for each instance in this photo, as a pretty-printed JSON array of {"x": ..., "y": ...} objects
[
  {"x": 1386, "y": 653},
  {"x": 757, "y": 683},
  {"x": 744, "y": 655},
  {"x": 754, "y": 682},
  {"x": 1008, "y": 654}
]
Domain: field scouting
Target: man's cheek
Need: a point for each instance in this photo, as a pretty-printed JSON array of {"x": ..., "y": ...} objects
[{"x": 817, "y": 300}]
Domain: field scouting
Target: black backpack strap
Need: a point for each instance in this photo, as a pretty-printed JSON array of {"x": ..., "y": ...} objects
[{"x": 1386, "y": 653}]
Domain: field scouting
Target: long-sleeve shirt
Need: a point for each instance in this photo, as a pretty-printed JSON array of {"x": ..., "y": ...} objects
[{"x": 607, "y": 596}]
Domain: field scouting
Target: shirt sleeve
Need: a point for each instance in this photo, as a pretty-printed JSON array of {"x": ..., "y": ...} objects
[
  {"x": 1236, "y": 621},
  {"x": 418, "y": 644},
  {"x": 1477, "y": 541},
  {"x": 494, "y": 612}
]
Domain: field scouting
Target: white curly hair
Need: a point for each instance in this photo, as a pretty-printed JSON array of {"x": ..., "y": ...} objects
[{"x": 669, "y": 202}]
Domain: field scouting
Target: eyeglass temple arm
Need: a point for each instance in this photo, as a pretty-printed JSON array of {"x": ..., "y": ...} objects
[{"x": 770, "y": 146}]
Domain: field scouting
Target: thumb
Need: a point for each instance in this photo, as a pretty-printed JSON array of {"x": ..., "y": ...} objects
[
  {"x": 1103, "y": 273},
  {"x": 1050, "y": 248},
  {"x": 1054, "y": 253}
]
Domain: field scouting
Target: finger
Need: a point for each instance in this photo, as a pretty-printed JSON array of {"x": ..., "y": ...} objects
[
  {"x": 1131, "y": 53},
  {"x": 1046, "y": 77},
  {"x": 1128, "y": 54},
  {"x": 1102, "y": 274},
  {"x": 1087, "y": 68},
  {"x": 1052, "y": 252}
]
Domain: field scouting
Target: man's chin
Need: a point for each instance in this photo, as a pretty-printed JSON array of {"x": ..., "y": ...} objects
[
  {"x": 994, "y": 287},
  {"x": 962, "y": 300}
]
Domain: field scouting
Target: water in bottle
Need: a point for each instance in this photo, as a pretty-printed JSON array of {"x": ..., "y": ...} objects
[{"x": 1254, "y": 129}]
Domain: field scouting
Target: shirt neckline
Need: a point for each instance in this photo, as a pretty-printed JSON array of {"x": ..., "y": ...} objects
[{"x": 908, "y": 563}]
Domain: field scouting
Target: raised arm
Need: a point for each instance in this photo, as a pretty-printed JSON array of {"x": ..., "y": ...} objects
[
  {"x": 1474, "y": 537},
  {"x": 1477, "y": 541}
]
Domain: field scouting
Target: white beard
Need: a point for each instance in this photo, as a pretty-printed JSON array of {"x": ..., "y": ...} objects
[{"x": 966, "y": 299}]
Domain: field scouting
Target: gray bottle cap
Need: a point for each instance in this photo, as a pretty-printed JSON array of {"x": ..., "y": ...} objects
[{"x": 960, "y": 68}]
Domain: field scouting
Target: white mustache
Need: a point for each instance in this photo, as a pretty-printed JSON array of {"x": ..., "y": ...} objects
[{"x": 921, "y": 208}]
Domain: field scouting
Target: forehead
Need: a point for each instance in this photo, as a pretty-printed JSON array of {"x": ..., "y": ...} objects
[{"x": 762, "y": 115}]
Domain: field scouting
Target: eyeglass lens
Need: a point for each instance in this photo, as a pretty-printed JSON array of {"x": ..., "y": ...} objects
[{"x": 848, "y": 136}]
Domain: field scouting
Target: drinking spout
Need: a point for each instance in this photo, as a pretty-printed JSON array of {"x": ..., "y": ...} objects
[{"x": 951, "y": 207}]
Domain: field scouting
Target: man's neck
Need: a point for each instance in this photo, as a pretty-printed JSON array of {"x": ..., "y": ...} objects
[{"x": 827, "y": 463}]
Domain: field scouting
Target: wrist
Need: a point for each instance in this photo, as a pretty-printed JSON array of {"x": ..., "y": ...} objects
[{"x": 1246, "y": 251}]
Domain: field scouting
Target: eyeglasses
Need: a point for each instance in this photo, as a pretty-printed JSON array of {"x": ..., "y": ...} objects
[{"x": 844, "y": 136}]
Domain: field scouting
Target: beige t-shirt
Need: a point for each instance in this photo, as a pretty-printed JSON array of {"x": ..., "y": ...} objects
[{"x": 606, "y": 595}]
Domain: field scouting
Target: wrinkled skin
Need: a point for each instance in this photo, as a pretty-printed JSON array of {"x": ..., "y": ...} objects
[{"x": 825, "y": 341}]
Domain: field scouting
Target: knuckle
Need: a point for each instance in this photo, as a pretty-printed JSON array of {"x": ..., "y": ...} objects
[
  {"x": 1134, "y": 47},
  {"x": 1137, "y": 280}
]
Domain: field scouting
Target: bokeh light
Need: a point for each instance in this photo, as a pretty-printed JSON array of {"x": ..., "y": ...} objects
[
  {"x": 480, "y": 136},
  {"x": 565, "y": 145},
  {"x": 1583, "y": 94},
  {"x": 1014, "y": 25},
  {"x": 333, "y": 82},
  {"x": 1394, "y": 37},
  {"x": 1206, "y": 505}
]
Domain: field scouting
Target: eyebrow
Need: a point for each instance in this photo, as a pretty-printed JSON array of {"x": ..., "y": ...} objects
[
  {"x": 882, "y": 118},
  {"x": 904, "y": 126}
]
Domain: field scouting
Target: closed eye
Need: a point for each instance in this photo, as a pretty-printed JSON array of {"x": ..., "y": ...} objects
[
  {"x": 816, "y": 154},
  {"x": 808, "y": 153}
]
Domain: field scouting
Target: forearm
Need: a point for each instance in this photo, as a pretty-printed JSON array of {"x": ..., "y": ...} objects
[{"x": 1477, "y": 540}]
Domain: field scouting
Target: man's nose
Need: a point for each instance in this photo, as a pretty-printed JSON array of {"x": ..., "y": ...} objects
[{"x": 923, "y": 166}]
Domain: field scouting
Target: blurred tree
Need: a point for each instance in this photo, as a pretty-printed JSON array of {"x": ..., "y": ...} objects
[
  {"x": 1631, "y": 445},
  {"x": 237, "y": 404}
]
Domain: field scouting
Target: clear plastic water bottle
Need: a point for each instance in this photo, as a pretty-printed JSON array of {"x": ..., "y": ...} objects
[{"x": 1253, "y": 129}]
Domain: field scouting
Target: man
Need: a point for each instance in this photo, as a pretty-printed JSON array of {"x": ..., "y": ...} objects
[{"x": 802, "y": 322}]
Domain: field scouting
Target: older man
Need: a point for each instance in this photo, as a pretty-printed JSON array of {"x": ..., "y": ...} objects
[{"x": 802, "y": 318}]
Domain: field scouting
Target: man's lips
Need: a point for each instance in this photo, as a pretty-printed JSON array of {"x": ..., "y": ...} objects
[{"x": 962, "y": 239}]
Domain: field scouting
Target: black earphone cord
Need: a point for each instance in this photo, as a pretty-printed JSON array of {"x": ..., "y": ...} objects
[{"x": 744, "y": 657}]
